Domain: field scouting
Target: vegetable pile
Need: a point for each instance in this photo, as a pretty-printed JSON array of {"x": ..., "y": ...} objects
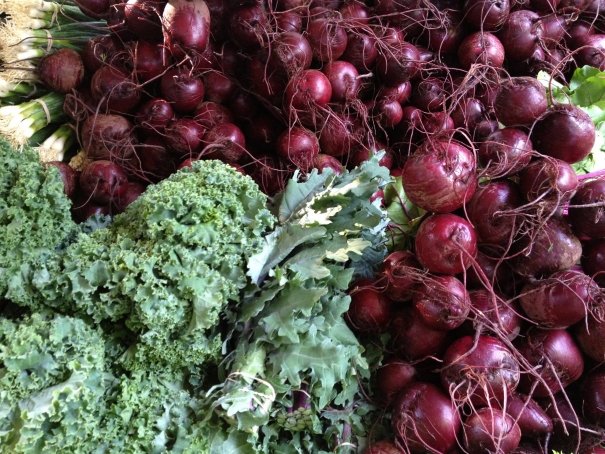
[
  {"x": 302, "y": 226},
  {"x": 195, "y": 318}
]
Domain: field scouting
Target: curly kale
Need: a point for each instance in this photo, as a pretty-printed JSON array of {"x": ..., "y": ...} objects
[
  {"x": 35, "y": 220},
  {"x": 167, "y": 267},
  {"x": 150, "y": 412},
  {"x": 51, "y": 384}
]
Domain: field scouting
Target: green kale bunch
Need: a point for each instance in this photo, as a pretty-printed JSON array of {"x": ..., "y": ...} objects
[
  {"x": 52, "y": 383},
  {"x": 150, "y": 412},
  {"x": 167, "y": 267},
  {"x": 35, "y": 220}
]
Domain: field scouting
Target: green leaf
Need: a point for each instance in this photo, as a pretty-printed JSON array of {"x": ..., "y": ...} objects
[
  {"x": 580, "y": 76},
  {"x": 253, "y": 306},
  {"x": 277, "y": 246},
  {"x": 293, "y": 302},
  {"x": 321, "y": 357},
  {"x": 299, "y": 194},
  {"x": 234, "y": 442},
  {"x": 308, "y": 263}
]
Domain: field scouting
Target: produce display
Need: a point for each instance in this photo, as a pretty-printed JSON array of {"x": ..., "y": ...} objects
[{"x": 302, "y": 226}]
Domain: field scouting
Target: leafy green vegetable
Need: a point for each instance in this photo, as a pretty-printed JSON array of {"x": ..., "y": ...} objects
[
  {"x": 113, "y": 332},
  {"x": 35, "y": 220},
  {"x": 166, "y": 267},
  {"x": 51, "y": 384},
  {"x": 586, "y": 90},
  {"x": 290, "y": 336},
  {"x": 150, "y": 412}
]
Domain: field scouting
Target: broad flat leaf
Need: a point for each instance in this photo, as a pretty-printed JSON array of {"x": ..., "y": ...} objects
[
  {"x": 580, "y": 76},
  {"x": 308, "y": 263},
  {"x": 280, "y": 315},
  {"x": 589, "y": 92},
  {"x": 298, "y": 194},
  {"x": 253, "y": 306},
  {"x": 234, "y": 442},
  {"x": 279, "y": 245},
  {"x": 354, "y": 246},
  {"x": 596, "y": 111}
]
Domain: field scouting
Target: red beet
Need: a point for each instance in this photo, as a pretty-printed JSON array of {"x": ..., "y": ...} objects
[
  {"x": 490, "y": 430},
  {"x": 480, "y": 373},
  {"x": 504, "y": 152},
  {"x": 392, "y": 377},
  {"x": 441, "y": 302},
  {"x": 559, "y": 301},
  {"x": 425, "y": 419},
  {"x": 558, "y": 355},
  {"x": 399, "y": 268},
  {"x": 440, "y": 176},
  {"x": 520, "y": 101},
  {"x": 412, "y": 339},
  {"x": 589, "y": 222},
  {"x": 565, "y": 132},
  {"x": 103, "y": 181},
  {"x": 370, "y": 310},
  {"x": 446, "y": 244},
  {"x": 62, "y": 71}
]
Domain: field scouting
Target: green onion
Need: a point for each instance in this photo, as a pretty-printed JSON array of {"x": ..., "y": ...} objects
[
  {"x": 19, "y": 123},
  {"x": 55, "y": 146}
]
